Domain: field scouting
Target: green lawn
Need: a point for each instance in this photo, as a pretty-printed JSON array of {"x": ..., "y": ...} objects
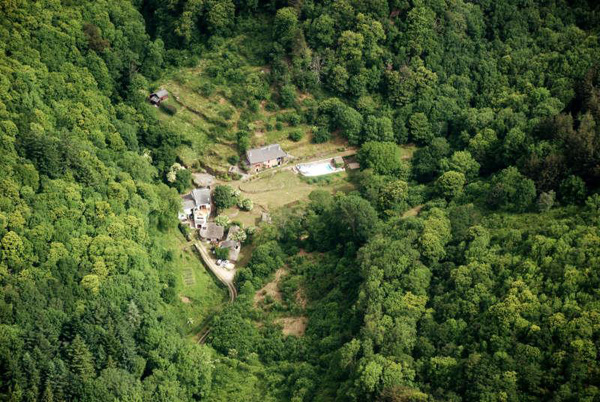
[
  {"x": 277, "y": 189},
  {"x": 200, "y": 291}
]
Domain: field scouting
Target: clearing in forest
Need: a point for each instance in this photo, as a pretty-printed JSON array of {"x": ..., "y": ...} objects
[
  {"x": 295, "y": 326},
  {"x": 277, "y": 189},
  {"x": 198, "y": 295},
  {"x": 271, "y": 289},
  {"x": 208, "y": 119},
  {"x": 413, "y": 211}
]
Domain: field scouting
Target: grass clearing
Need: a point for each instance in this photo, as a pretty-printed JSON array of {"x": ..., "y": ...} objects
[
  {"x": 270, "y": 290},
  {"x": 413, "y": 211},
  {"x": 295, "y": 326},
  {"x": 407, "y": 151},
  {"x": 281, "y": 188},
  {"x": 209, "y": 116},
  {"x": 198, "y": 295}
]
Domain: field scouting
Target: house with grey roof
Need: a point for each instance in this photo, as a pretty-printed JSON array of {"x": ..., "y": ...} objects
[
  {"x": 234, "y": 248},
  {"x": 196, "y": 206},
  {"x": 158, "y": 96},
  {"x": 212, "y": 232},
  {"x": 265, "y": 157}
]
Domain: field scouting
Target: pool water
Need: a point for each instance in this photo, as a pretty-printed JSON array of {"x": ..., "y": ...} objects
[{"x": 316, "y": 169}]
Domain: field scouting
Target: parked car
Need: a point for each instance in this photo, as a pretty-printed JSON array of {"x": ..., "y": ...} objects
[
  {"x": 219, "y": 262},
  {"x": 224, "y": 263}
]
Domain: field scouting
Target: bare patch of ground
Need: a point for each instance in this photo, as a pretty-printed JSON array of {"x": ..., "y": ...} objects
[
  {"x": 413, "y": 211},
  {"x": 303, "y": 96},
  {"x": 301, "y": 298},
  {"x": 295, "y": 326},
  {"x": 185, "y": 299},
  {"x": 270, "y": 289}
]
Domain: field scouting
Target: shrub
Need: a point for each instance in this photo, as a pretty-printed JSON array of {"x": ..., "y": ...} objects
[
  {"x": 279, "y": 125},
  {"x": 243, "y": 141},
  {"x": 287, "y": 95},
  {"x": 246, "y": 204},
  {"x": 321, "y": 135},
  {"x": 222, "y": 220},
  {"x": 253, "y": 105},
  {"x": 296, "y": 135},
  {"x": 184, "y": 229},
  {"x": 183, "y": 180},
  {"x": 226, "y": 113},
  {"x": 294, "y": 119},
  {"x": 271, "y": 106},
  {"x": 222, "y": 253},
  {"x": 233, "y": 159},
  {"x": 224, "y": 197},
  {"x": 206, "y": 89}
]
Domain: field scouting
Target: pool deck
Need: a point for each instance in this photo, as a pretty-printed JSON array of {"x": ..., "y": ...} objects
[{"x": 320, "y": 162}]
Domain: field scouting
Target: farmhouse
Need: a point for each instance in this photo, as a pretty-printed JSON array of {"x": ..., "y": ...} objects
[
  {"x": 232, "y": 244},
  {"x": 158, "y": 96},
  {"x": 197, "y": 206},
  {"x": 233, "y": 247},
  {"x": 265, "y": 157},
  {"x": 212, "y": 232}
]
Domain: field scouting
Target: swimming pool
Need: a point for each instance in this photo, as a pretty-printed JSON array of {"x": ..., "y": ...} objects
[{"x": 316, "y": 169}]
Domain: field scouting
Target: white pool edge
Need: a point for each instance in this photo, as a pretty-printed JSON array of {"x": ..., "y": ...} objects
[{"x": 325, "y": 161}]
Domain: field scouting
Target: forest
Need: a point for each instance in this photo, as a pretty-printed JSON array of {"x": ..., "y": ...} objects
[{"x": 468, "y": 271}]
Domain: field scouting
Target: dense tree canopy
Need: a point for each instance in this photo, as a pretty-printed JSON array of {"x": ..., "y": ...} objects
[{"x": 462, "y": 267}]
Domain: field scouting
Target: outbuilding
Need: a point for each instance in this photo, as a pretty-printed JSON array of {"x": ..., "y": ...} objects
[
  {"x": 158, "y": 96},
  {"x": 234, "y": 248},
  {"x": 212, "y": 232}
]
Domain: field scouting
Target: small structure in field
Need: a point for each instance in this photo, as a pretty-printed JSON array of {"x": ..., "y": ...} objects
[
  {"x": 265, "y": 157},
  {"x": 353, "y": 165},
  {"x": 203, "y": 179},
  {"x": 196, "y": 205},
  {"x": 338, "y": 162},
  {"x": 265, "y": 217},
  {"x": 156, "y": 97},
  {"x": 212, "y": 232}
]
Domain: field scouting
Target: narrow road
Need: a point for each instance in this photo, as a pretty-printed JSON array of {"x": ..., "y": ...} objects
[
  {"x": 222, "y": 274},
  {"x": 225, "y": 276}
]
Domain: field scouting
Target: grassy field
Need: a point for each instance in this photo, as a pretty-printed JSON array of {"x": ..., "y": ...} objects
[
  {"x": 210, "y": 138},
  {"x": 277, "y": 189},
  {"x": 198, "y": 292},
  {"x": 208, "y": 118}
]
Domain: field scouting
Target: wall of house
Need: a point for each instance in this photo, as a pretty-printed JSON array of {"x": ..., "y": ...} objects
[{"x": 265, "y": 165}]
